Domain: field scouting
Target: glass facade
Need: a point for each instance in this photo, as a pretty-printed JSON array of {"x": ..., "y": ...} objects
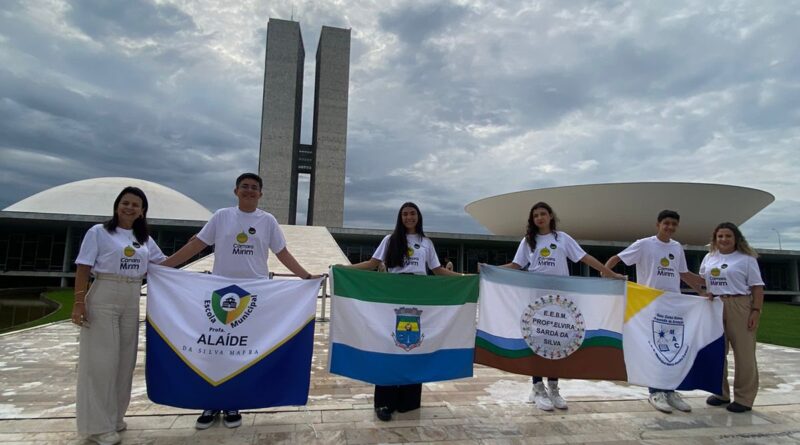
[
  {"x": 37, "y": 250},
  {"x": 32, "y": 250},
  {"x": 467, "y": 254},
  {"x": 32, "y": 253}
]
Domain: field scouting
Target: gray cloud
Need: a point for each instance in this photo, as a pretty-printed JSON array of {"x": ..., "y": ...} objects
[
  {"x": 136, "y": 19},
  {"x": 448, "y": 102},
  {"x": 413, "y": 23}
]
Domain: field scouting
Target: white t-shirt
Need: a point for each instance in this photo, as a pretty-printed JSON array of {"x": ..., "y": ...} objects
[
  {"x": 730, "y": 274},
  {"x": 242, "y": 242},
  {"x": 551, "y": 254},
  {"x": 117, "y": 252},
  {"x": 658, "y": 264},
  {"x": 420, "y": 253}
]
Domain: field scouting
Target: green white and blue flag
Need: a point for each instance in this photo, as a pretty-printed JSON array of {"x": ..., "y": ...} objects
[{"x": 390, "y": 329}]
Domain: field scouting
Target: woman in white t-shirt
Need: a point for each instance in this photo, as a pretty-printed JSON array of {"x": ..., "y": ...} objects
[
  {"x": 731, "y": 273},
  {"x": 546, "y": 250},
  {"x": 116, "y": 253},
  {"x": 407, "y": 251}
]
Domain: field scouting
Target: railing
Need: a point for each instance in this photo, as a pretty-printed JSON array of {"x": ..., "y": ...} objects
[{"x": 322, "y": 316}]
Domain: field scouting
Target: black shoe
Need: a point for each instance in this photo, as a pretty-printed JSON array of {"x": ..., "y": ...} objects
[
  {"x": 716, "y": 401},
  {"x": 383, "y": 413},
  {"x": 736, "y": 407},
  {"x": 232, "y": 419},
  {"x": 206, "y": 419}
]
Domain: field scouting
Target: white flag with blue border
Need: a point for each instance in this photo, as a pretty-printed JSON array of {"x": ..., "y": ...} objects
[
  {"x": 672, "y": 340},
  {"x": 216, "y": 342}
]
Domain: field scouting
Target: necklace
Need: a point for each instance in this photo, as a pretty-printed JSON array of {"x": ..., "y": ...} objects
[{"x": 243, "y": 235}]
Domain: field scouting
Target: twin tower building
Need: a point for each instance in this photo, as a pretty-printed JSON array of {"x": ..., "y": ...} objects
[{"x": 282, "y": 157}]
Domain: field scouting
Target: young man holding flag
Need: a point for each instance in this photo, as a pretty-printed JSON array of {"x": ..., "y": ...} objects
[
  {"x": 661, "y": 264},
  {"x": 242, "y": 236}
]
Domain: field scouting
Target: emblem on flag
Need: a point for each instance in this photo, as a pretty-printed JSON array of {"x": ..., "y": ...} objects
[
  {"x": 231, "y": 305},
  {"x": 407, "y": 332},
  {"x": 668, "y": 337},
  {"x": 553, "y": 327}
]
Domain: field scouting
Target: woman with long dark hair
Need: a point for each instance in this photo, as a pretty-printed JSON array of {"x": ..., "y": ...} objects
[
  {"x": 732, "y": 274},
  {"x": 407, "y": 250},
  {"x": 116, "y": 253},
  {"x": 546, "y": 250}
]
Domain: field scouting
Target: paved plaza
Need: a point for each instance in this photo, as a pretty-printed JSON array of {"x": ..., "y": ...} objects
[{"x": 37, "y": 406}]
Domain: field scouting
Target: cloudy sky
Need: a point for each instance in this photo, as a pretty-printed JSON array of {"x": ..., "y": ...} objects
[{"x": 449, "y": 101}]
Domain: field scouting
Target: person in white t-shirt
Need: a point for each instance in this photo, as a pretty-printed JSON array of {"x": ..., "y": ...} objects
[
  {"x": 661, "y": 264},
  {"x": 116, "y": 253},
  {"x": 406, "y": 251},
  {"x": 732, "y": 274},
  {"x": 546, "y": 250},
  {"x": 242, "y": 237}
]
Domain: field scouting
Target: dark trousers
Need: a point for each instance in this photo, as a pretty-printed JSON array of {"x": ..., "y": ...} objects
[
  {"x": 400, "y": 398},
  {"x": 655, "y": 390},
  {"x": 549, "y": 379}
]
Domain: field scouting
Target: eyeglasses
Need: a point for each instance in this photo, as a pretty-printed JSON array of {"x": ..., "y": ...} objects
[{"x": 254, "y": 187}]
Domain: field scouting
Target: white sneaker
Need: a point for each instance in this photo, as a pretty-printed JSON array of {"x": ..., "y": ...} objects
[
  {"x": 110, "y": 438},
  {"x": 555, "y": 397},
  {"x": 540, "y": 398},
  {"x": 659, "y": 402},
  {"x": 674, "y": 399}
]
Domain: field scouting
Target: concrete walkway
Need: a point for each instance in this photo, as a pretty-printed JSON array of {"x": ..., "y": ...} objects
[{"x": 37, "y": 385}]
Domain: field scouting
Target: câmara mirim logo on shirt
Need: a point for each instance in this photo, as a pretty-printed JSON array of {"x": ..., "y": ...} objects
[
  {"x": 716, "y": 279},
  {"x": 665, "y": 269},
  {"x": 127, "y": 262},
  {"x": 240, "y": 247}
]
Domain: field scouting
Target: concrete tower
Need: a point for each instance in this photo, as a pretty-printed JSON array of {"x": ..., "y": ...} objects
[
  {"x": 331, "y": 87},
  {"x": 281, "y": 112},
  {"x": 282, "y": 157}
]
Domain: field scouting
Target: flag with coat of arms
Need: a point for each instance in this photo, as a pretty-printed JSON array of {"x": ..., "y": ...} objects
[
  {"x": 393, "y": 329},
  {"x": 225, "y": 343},
  {"x": 593, "y": 328},
  {"x": 672, "y": 340},
  {"x": 549, "y": 325}
]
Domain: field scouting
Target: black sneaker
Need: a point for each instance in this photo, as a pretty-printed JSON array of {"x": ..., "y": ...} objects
[
  {"x": 232, "y": 419},
  {"x": 206, "y": 419},
  {"x": 716, "y": 401},
  {"x": 383, "y": 413},
  {"x": 736, "y": 407}
]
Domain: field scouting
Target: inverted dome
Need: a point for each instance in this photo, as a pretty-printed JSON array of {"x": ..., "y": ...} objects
[
  {"x": 624, "y": 211},
  {"x": 96, "y": 196}
]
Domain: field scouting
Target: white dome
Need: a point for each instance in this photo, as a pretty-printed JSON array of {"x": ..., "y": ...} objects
[
  {"x": 96, "y": 197},
  {"x": 624, "y": 211}
]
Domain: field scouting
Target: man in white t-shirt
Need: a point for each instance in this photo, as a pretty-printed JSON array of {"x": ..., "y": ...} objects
[
  {"x": 242, "y": 237},
  {"x": 661, "y": 264}
]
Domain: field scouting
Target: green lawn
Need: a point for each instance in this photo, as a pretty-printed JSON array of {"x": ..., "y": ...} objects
[
  {"x": 780, "y": 324},
  {"x": 64, "y": 299}
]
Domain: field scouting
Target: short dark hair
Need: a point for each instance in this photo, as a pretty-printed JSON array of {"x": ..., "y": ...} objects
[
  {"x": 668, "y": 214},
  {"x": 252, "y": 176}
]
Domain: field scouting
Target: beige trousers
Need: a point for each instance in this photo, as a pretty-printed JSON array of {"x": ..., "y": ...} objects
[
  {"x": 735, "y": 313},
  {"x": 107, "y": 354}
]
